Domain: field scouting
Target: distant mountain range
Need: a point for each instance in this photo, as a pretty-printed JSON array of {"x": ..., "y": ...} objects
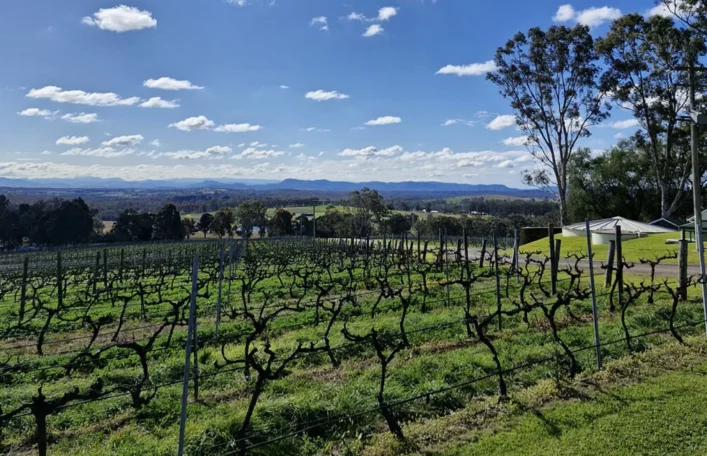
[{"x": 270, "y": 185}]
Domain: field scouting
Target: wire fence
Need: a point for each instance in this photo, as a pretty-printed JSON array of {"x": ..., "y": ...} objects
[{"x": 263, "y": 309}]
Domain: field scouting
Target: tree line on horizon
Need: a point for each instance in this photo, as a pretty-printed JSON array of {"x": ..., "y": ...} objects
[{"x": 66, "y": 222}]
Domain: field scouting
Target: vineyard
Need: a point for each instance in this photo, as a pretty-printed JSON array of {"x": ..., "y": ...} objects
[{"x": 295, "y": 346}]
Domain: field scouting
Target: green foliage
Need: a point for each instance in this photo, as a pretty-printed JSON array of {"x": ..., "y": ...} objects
[
  {"x": 250, "y": 214},
  {"x": 644, "y": 59},
  {"x": 551, "y": 80},
  {"x": 223, "y": 222},
  {"x": 368, "y": 207},
  {"x": 133, "y": 226},
  {"x": 168, "y": 224},
  {"x": 204, "y": 224},
  {"x": 281, "y": 223},
  {"x": 616, "y": 182}
]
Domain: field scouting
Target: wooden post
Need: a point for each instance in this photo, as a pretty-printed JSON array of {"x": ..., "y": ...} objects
[
  {"x": 441, "y": 247},
  {"x": 553, "y": 263},
  {"x": 610, "y": 264},
  {"x": 96, "y": 272},
  {"x": 558, "y": 247},
  {"x": 220, "y": 287},
  {"x": 122, "y": 261},
  {"x": 619, "y": 264},
  {"x": 105, "y": 268},
  {"x": 483, "y": 253},
  {"x": 498, "y": 281},
  {"x": 59, "y": 281},
  {"x": 516, "y": 254},
  {"x": 418, "y": 246},
  {"x": 23, "y": 292},
  {"x": 682, "y": 269}
]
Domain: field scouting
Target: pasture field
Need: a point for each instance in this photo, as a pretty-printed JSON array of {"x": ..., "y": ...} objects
[
  {"x": 648, "y": 247},
  {"x": 306, "y": 347}
]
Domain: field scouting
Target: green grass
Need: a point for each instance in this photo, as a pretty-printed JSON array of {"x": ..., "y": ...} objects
[
  {"x": 662, "y": 416},
  {"x": 311, "y": 388},
  {"x": 648, "y": 247}
]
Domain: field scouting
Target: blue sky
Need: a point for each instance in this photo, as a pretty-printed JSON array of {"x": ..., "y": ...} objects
[{"x": 155, "y": 89}]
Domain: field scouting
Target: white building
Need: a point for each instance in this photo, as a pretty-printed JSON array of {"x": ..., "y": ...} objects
[{"x": 604, "y": 230}]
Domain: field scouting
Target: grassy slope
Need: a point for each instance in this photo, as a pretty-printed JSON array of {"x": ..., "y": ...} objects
[
  {"x": 633, "y": 250},
  {"x": 648, "y": 404},
  {"x": 662, "y": 416}
]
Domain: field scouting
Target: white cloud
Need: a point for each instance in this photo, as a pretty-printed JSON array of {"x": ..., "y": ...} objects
[
  {"x": 36, "y": 112},
  {"x": 252, "y": 153},
  {"x": 365, "y": 152},
  {"x": 474, "y": 69},
  {"x": 501, "y": 122},
  {"x": 59, "y": 95},
  {"x": 157, "y": 102},
  {"x": 371, "y": 151},
  {"x": 353, "y": 16},
  {"x": 468, "y": 163},
  {"x": 156, "y": 143},
  {"x": 103, "y": 152},
  {"x": 284, "y": 87},
  {"x": 215, "y": 152},
  {"x": 385, "y": 120},
  {"x": 72, "y": 140},
  {"x": 238, "y": 128},
  {"x": 165, "y": 83},
  {"x": 193, "y": 123},
  {"x": 516, "y": 141},
  {"x": 81, "y": 118},
  {"x": 121, "y": 19},
  {"x": 390, "y": 151},
  {"x": 46, "y": 152},
  {"x": 237, "y": 2},
  {"x": 373, "y": 30},
  {"x": 321, "y": 20},
  {"x": 123, "y": 141},
  {"x": 450, "y": 122},
  {"x": 311, "y": 129},
  {"x": 621, "y": 124},
  {"x": 564, "y": 13},
  {"x": 321, "y": 95},
  {"x": 506, "y": 164},
  {"x": 386, "y": 13},
  {"x": 296, "y": 146},
  {"x": 592, "y": 17}
]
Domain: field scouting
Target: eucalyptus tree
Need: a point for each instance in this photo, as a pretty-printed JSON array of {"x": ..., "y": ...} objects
[
  {"x": 551, "y": 78},
  {"x": 644, "y": 76}
]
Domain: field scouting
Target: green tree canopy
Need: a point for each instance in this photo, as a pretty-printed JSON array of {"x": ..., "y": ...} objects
[
  {"x": 551, "y": 79},
  {"x": 204, "y": 224},
  {"x": 168, "y": 224},
  {"x": 222, "y": 223},
  {"x": 250, "y": 214},
  {"x": 643, "y": 58},
  {"x": 281, "y": 223}
]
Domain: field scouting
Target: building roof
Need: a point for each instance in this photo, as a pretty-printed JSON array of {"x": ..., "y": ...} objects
[
  {"x": 627, "y": 226},
  {"x": 666, "y": 221}
]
